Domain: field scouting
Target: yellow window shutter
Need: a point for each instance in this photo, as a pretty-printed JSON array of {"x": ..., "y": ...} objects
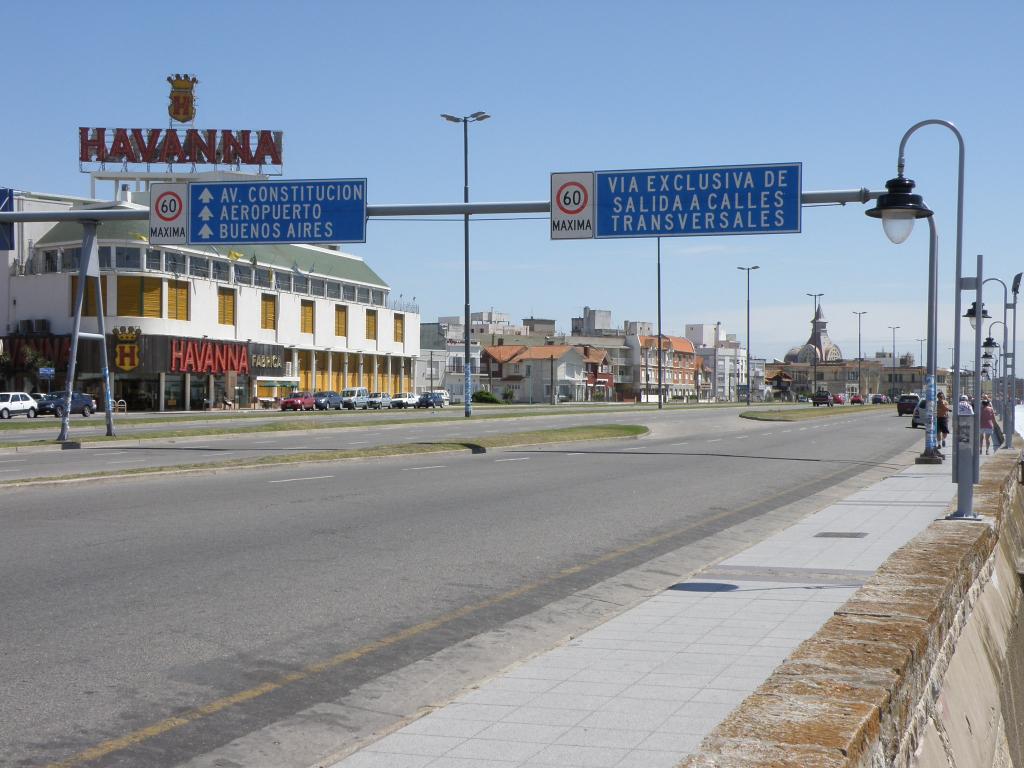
[
  {"x": 307, "y": 317},
  {"x": 152, "y": 304},
  {"x": 400, "y": 328},
  {"x": 177, "y": 299},
  {"x": 371, "y": 324},
  {"x": 268, "y": 311},
  {"x": 340, "y": 320},
  {"x": 129, "y": 296}
]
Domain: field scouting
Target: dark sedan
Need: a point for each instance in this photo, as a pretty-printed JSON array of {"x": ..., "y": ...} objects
[
  {"x": 430, "y": 400},
  {"x": 325, "y": 401},
  {"x": 54, "y": 404}
]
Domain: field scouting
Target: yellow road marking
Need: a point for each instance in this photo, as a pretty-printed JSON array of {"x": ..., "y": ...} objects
[{"x": 171, "y": 723}]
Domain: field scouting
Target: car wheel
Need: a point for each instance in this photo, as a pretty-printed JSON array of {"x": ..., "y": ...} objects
[
  {"x": 32, "y": 413},
  {"x": 4, "y": 413},
  {"x": 86, "y": 410}
]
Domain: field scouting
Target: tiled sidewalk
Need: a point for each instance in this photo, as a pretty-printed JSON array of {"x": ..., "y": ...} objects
[{"x": 644, "y": 688}]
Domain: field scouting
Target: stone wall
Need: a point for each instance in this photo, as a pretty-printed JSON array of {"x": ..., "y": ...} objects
[{"x": 922, "y": 668}]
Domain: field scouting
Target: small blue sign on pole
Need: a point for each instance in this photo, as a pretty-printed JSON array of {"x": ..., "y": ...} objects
[
  {"x": 294, "y": 211},
  {"x": 46, "y": 373},
  {"x": 691, "y": 202},
  {"x": 6, "y": 228}
]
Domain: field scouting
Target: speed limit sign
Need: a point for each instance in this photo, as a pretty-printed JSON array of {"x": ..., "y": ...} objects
[
  {"x": 572, "y": 206},
  {"x": 168, "y": 214}
]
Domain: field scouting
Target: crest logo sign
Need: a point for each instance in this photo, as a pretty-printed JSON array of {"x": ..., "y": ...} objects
[
  {"x": 126, "y": 352},
  {"x": 182, "y": 106}
]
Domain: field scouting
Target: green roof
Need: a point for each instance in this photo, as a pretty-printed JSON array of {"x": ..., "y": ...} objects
[{"x": 316, "y": 260}]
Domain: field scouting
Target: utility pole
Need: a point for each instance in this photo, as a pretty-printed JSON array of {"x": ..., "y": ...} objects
[{"x": 860, "y": 382}]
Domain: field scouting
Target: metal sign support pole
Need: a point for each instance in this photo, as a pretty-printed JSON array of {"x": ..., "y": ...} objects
[
  {"x": 103, "y": 355},
  {"x": 661, "y": 397},
  {"x": 89, "y": 251}
]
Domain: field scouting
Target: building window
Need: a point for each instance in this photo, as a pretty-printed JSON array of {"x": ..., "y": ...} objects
[
  {"x": 340, "y": 320},
  {"x": 174, "y": 262},
  {"x": 177, "y": 299},
  {"x": 262, "y": 277},
  {"x": 371, "y": 324},
  {"x": 334, "y": 290},
  {"x": 316, "y": 287},
  {"x": 378, "y": 298},
  {"x": 243, "y": 274},
  {"x": 306, "y": 317},
  {"x": 128, "y": 258},
  {"x": 70, "y": 261},
  {"x": 268, "y": 311},
  {"x": 51, "y": 261},
  {"x": 300, "y": 284},
  {"x": 199, "y": 267},
  {"x": 363, "y": 295},
  {"x": 282, "y": 281},
  {"x": 226, "y": 306},
  {"x": 350, "y": 293},
  {"x": 400, "y": 328},
  {"x": 139, "y": 296},
  {"x": 89, "y": 300},
  {"x": 221, "y": 271},
  {"x": 104, "y": 257},
  {"x": 153, "y": 259}
]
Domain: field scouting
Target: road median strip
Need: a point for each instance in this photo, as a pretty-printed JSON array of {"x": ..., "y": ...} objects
[
  {"x": 479, "y": 445},
  {"x": 802, "y": 414}
]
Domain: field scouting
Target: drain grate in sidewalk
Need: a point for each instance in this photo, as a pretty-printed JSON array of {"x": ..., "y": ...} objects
[{"x": 841, "y": 535}]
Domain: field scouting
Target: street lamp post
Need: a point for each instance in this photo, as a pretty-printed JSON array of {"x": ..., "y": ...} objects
[
  {"x": 892, "y": 384},
  {"x": 1004, "y": 386},
  {"x": 920, "y": 350},
  {"x": 748, "y": 270},
  {"x": 476, "y": 117},
  {"x": 898, "y": 209},
  {"x": 1015, "y": 289},
  {"x": 814, "y": 362},
  {"x": 860, "y": 383}
]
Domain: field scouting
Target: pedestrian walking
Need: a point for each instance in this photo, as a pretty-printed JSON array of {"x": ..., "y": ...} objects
[
  {"x": 942, "y": 419},
  {"x": 964, "y": 408},
  {"x": 988, "y": 423}
]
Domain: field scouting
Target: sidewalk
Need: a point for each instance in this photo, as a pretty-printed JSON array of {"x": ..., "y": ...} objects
[{"x": 643, "y": 689}]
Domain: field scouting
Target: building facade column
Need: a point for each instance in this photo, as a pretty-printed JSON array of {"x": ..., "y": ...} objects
[
  {"x": 344, "y": 370},
  {"x": 162, "y": 377},
  {"x": 330, "y": 370},
  {"x": 312, "y": 370},
  {"x": 188, "y": 392},
  {"x": 362, "y": 370}
]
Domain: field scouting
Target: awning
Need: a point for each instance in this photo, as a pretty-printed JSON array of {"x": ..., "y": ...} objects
[{"x": 278, "y": 381}]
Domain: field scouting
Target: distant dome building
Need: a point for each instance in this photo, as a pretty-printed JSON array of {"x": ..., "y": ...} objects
[{"x": 819, "y": 345}]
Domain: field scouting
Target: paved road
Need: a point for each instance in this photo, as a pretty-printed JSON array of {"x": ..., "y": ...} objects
[{"x": 271, "y": 617}]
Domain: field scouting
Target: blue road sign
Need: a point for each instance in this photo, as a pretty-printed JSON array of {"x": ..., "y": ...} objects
[
  {"x": 46, "y": 373},
  {"x": 294, "y": 211},
  {"x": 6, "y": 229},
  {"x": 689, "y": 202}
]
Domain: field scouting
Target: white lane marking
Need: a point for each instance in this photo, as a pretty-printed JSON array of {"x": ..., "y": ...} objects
[
  {"x": 10, "y": 470},
  {"x": 575, "y": 454},
  {"x": 521, "y": 458},
  {"x": 125, "y": 461},
  {"x": 432, "y": 466},
  {"x": 766, "y": 434},
  {"x": 633, "y": 449},
  {"x": 678, "y": 443},
  {"x": 297, "y": 479},
  {"x": 359, "y": 442},
  {"x": 716, "y": 440},
  {"x": 742, "y": 437},
  {"x": 108, "y": 453},
  {"x": 263, "y": 442},
  {"x": 12, "y": 461},
  {"x": 190, "y": 447},
  {"x": 786, "y": 430}
]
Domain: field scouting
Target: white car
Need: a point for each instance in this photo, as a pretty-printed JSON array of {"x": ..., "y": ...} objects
[
  {"x": 17, "y": 404},
  {"x": 403, "y": 400}
]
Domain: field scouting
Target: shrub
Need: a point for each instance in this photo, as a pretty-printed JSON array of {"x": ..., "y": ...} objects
[{"x": 483, "y": 396}]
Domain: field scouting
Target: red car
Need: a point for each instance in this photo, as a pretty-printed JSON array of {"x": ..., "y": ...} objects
[
  {"x": 856, "y": 400},
  {"x": 298, "y": 401},
  {"x": 839, "y": 398}
]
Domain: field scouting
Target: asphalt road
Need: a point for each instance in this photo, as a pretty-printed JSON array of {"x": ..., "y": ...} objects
[{"x": 273, "y": 617}]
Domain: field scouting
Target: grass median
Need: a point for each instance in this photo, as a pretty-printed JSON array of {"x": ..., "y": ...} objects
[
  {"x": 791, "y": 413},
  {"x": 470, "y": 445}
]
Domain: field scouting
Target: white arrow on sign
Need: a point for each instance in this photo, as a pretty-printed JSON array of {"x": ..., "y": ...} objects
[
  {"x": 205, "y": 214},
  {"x": 205, "y": 232},
  {"x": 205, "y": 196}
]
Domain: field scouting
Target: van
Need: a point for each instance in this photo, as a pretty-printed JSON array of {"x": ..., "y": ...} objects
[{"x": 356, "y": 397}]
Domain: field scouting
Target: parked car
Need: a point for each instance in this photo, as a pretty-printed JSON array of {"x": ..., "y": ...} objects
[
  {"x": 403, "y": 400},
  {"x": 53, "y": 403},
  {"x": 324, "y": 401},
  {"x": 906, "y": 404},
  {"x": 298, "y": 401},
  {"x": 822, "y": 397},
  {"x": 355, "y": 397},
  {"x": 378, "y": 400},
  {"x": 443, "y": 394},
  {"x": 430, "y": 400},
  {"x": 839, "y": 398},
  {"x": 877, "y": 399},
  {"x": 856, "y": 400},
  {"x": 920, "y": 417},
  {"x": 17, "y": 404}
]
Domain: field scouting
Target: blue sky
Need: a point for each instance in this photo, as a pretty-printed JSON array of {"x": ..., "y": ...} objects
[{"x": 358, "y": 89}]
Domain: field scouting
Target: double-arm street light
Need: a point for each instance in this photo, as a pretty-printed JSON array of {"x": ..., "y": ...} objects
[
  {"x": 476, "y": 117},
  {"x": 748, "y": 270},
  {"x": 814, "y": 327},
  {"x": 892, "y": 384},
  {"x": 1006, "y": 355},
  {"x": 860, "y": 383}
]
